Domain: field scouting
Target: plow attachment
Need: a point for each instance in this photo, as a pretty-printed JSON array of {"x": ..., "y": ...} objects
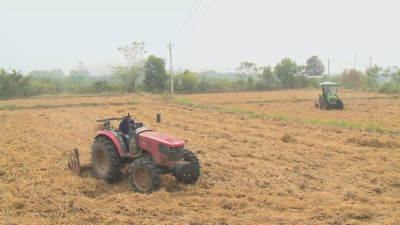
[{"x": 73, "y": 162}]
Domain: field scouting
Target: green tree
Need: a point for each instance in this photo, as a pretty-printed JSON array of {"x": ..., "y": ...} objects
[
  {"x": 79, "y": 74},
  {"x": 393, "y": 87},
  {"x": 127, "y": 77},
  {"x": 100, "y": 86},
  {"x": 372, "y": 75},
  {"x": 301, "y": 80},
  {"x": 267, "y": 77},
  {"x": 44, "y": 86},
  {"x": 134, "y": 66},
  {"x": 205, "y": 82},
  {"x": 220, "y": 84},
  {"x": 314, "y": 66},
  {"x": 285, "y": 71},
  {"x": 393, "y": 73},
  {"x": 4, "y": 84},
  {"x": 54, "y": 73},
  {"x": 21, "y": 83},
  {"x": 155, "y": 77},
  {"x": 246, "y": 72},
  {"x": 352, "y": 78},
  {"x": 188, "y": 81}
]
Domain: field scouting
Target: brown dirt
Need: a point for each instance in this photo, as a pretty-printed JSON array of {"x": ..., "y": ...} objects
[{"x": 250, "y": 176}]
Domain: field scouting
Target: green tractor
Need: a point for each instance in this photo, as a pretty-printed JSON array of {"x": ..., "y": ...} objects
[{"x": 329, "y": 99}]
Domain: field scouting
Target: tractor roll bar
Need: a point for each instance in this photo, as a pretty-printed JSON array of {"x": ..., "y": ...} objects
[{"x": 108, "y": 119}]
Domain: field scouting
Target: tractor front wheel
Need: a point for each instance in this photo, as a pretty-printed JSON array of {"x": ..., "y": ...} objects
[
  {"x": 194, "y": 175},
  {"x": 144, "y": 176},
  {"x": 106, "y": 161}
]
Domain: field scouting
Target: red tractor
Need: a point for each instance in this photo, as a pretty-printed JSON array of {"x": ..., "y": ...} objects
[{"x": 149, "y": 155}]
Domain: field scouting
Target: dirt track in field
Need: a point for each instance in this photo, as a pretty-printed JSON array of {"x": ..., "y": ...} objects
[{"x": 255, "y": 171}]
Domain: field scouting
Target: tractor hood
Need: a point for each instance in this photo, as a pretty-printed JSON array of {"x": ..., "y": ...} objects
[
  {"x": 330, "y": 95},
  {"x": 332, "y": 98},
  {"x": 162, "y": 138}
]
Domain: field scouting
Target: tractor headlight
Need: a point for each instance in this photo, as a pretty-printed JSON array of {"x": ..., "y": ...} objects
[{"x": 175, "y": 149}]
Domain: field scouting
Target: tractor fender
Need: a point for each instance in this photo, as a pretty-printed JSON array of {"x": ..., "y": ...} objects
[{"x": 113, "y": 139}]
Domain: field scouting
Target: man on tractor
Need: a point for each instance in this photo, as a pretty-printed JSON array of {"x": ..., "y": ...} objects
[{"x": 124, "y": 127}]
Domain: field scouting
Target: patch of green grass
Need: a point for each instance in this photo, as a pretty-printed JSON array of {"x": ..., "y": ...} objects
[
  {"x": 71, "y": 95},
  {"x": 52, "y": 106},
  {"x": 7, "y": 106},
  {"x": 280, "y": 117},
  {"x": 184, "y": 101},
  {"x": 347, "y": 124},
  {"x": 242, "y": 111},
  {"x": 133, "y": 102}
]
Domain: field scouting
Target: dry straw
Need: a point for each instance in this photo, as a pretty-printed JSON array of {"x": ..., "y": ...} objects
[{"x": 320, "y": 175}]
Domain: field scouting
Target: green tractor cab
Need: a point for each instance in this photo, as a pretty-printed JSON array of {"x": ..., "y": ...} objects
[{"x": 329, "y": 99}]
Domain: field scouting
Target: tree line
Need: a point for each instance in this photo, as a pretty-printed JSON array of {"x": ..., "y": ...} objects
[{"x": 149, "y": 74}]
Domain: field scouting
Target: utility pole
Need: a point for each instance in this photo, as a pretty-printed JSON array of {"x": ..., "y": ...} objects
[
  {"x": 328, "y": 68},
  {"x": 370, "y": 60},
  {"x": 354, "y": 59},
  {"x": 170, "y": 62}
]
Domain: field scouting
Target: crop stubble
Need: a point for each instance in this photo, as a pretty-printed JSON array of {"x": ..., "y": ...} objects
[{"x": 254, "y": 170}]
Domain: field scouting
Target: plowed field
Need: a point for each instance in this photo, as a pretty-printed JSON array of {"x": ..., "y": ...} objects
[
  {"x": 255, "y": 170},
  {"x": 358, "y": 107}
]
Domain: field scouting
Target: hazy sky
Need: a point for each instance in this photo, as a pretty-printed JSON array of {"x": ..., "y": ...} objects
[{"x": 39, "y": 34}]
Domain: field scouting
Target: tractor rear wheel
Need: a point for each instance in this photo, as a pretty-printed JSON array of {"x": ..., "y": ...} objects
[
  {"x": 340, "y": 104},
  {"x": 144, "y": 176},
  {"x": 106, "y": 161},
  {"x": 193, "y": 176}
]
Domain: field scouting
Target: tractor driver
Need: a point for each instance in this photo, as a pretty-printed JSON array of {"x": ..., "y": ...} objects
[
  {"x": 328, "y": 90},
  {"x": 124, "y": 127}
]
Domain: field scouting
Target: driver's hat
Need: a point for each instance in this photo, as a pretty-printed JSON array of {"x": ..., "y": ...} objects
[{"x": 129, "y": 115}]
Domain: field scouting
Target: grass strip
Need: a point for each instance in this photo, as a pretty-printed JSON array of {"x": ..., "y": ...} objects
[{"x": 12, "y": 107}]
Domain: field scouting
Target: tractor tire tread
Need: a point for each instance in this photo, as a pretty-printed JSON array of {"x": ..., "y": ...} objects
[
  {"x": 189, "y": 156},
  {"x": 153, "y": 172},
  {"x": 340, "y": 104},
  {"x": 115, "y": 161}
]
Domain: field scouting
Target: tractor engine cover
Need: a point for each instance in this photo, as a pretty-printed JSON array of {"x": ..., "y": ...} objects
[{"x": 182, "y": 168}]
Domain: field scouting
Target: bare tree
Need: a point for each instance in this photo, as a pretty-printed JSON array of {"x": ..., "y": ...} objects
[{"x": 134, "y": 66}]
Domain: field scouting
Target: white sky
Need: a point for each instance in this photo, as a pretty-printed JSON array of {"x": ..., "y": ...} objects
[{"x": 39, "y": 34}]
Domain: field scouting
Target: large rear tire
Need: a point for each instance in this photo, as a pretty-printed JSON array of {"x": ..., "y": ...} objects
[
  {"x": 106, "y": 161},
  {"x": 144, "y": 176},
  {"x": 340, "y": 104},
  {"x": 193, "y": 176}
]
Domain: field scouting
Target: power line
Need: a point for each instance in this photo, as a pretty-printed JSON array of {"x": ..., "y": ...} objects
[
  {"x": 200, "y": 20},
  {"x": 348, "y": 64},
  {"x": 180, "y": 30},
  {"x": 193, "y": 14}
]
